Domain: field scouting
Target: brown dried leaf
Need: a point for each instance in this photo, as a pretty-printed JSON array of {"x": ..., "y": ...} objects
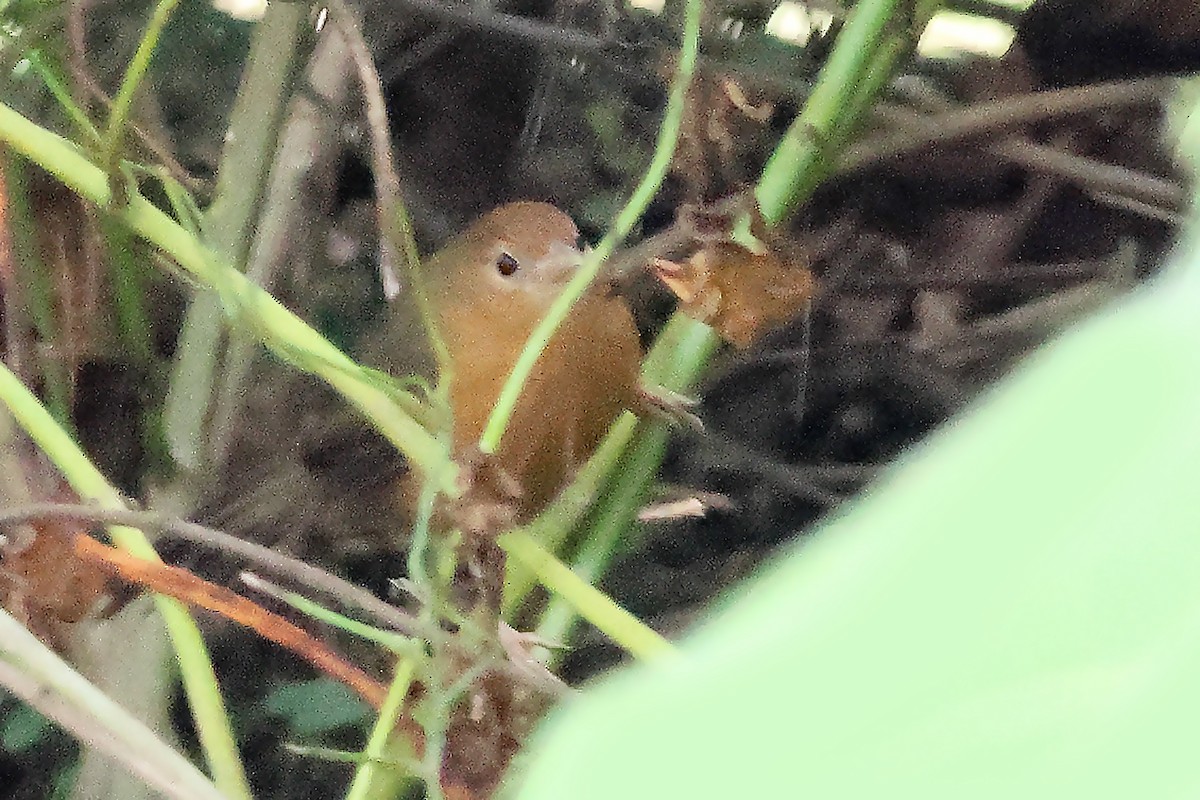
[
  {"x": 740, "y": 293},
  {"x": 45, "y": 585},
  {"x": 42, "y": 582}
]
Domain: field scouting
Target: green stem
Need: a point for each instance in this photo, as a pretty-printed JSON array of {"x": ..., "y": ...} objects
[
  {"x": 806, "y": 154},
  {"x": 676, "y": 363},
  {"x": 606, "y": 533},
  {"x": 418, "y": 548},
  {"x": 593, "y": 605},
  {"x": 396, "y": 642},
  {"x": 228, "y": 228},
  {"x": 63, "y": 96},
  {"x": 118, "y": 119},
  {"x": 554, "y": 524},
  {"x": 133, "y": 322},
  {"x": 199, "y": 680},
  {"x": 367, "y": 777},
  {"x": 668, "y": 136}
]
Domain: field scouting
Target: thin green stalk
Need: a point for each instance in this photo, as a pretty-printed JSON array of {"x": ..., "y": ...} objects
[
  {"x": 807, "y": 152},
  {"x": 369, "y": 777},
  {"x": 418, "y": 548},
  {"x": 199, "y": 680},
  {"x": 133, "y": 322},
  {"x": 110, "y": 149},
  {"x": 281, "y": 330},
  {"x": 607, "y": 532},
  {"x": 272, "y": 65},
  {"x": 229, "y": 227},
  {"x": 593, "y": 605},
  {"x": 342, "y": 756},
  {"x": 396, "y": 642},
  {"x": 553, "y": 525},
  {"x": 63, "y": 96},
  {"x": 668, "y": 136}
]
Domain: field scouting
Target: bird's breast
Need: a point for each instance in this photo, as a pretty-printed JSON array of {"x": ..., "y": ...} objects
[{"x": 586, "y": 376}]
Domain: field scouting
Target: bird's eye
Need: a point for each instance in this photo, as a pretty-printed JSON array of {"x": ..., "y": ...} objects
[{"x": 506, "y": 264}]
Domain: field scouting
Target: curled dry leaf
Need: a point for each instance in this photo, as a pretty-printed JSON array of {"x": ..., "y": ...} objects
[
  {"x": 45, "y": 585},
  {"x": 42, "y": 582},
  {"x": 742, "y": 294}
]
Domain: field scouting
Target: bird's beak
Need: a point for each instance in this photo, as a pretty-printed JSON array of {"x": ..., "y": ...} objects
[{"x": 560, "y": 263}]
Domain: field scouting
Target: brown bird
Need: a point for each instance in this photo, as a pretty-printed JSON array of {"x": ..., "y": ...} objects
[{"x": 490, "y": 286}]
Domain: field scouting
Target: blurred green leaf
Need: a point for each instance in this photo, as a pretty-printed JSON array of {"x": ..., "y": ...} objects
[
  {"x": 1013, "y": 611},
  {"x": 317, "y": 706},
  {"x": 21, "y": 729}
]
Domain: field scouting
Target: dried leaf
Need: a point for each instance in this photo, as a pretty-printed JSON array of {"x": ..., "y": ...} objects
[
  {"x": 44, "y": 584},
  {"x": 740, "y": 293}
]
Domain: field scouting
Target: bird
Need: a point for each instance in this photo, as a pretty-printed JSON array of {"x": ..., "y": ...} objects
[{"x": 489, "y": 287}]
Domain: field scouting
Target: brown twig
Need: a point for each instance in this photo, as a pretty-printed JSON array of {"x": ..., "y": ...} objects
[
  {"x": 186, "y": 587},
  {"x": 1153, "y": 195},
  {"x": 1014, "y": 274},
  {"x": 395, "y": 225},
  {"x": 797, "y": 482},
  {"x": 1094, "y": 175},
  {"x": 508, "y": 26},
  {"x": 304, "y": 574},
  {"x": 1002, "y": 116},
  {"x": 383, "y": 161}
]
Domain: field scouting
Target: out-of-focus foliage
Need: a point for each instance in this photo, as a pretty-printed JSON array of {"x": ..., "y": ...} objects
[
  {"x": 21, "y": 729},
  {"x": 1011, "y": 613},
  {"x": 316, "y": 706}
]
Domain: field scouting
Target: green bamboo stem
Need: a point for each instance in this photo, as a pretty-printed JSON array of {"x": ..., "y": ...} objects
[
  {"x": 806, "y": 153},
  {"x": 593, "y": 605},
  {"x": 228, "y": 227}
]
